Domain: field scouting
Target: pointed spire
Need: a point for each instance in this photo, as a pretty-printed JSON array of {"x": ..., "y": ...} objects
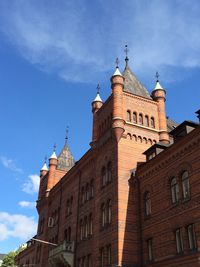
[
  {"x": 158, "y": 85},
  {"x": 117, "y": 72},
  {"x": 44, "y": 167},
  {"x": 126, "y": 52},
  {"x": 53, "y": 156},
  {"x": 67, "y": 134},
  {"x": 98, "y": 98}
]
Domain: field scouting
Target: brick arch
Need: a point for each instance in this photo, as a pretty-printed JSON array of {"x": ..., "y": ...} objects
[
  {"x": 145, "y": 140},
  {"x": 139, "y": 139},
  {"x": 150, "y": 141},
  {"x": 134, "y": 138},
  {"x": 128, "y": 136},
  {"x": 184, "y": 166}
]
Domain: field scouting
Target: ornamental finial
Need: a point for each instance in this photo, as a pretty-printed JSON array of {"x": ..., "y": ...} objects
[
  {"x": 126, "y": 50},
  {"x": 157, "y": 76}
]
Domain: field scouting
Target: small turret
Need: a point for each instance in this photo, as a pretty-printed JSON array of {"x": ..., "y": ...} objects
[
  {"x": 44, "y": 169},
  {"x": 117, "y": 85},
  {"x": 96, "y": 105},
  {"x": 159, "y": 95},
  {"x": 53, "y": 162}
]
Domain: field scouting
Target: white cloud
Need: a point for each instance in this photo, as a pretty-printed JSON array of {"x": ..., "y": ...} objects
[
  {"x": 16, "y": 225},
  {"x": 31, "y": 186},
  {"x": 79, "y": 41},
  {"x": 10, "y": 164},
  {"x": 27, "y": 204}
]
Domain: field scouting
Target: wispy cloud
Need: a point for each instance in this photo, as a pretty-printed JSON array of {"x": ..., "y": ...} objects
[
  {"x": 27, "y": 204},
  {"x": 31, "y": 186},
  {"x": 10, "y": 164},
  {"x": 16, "y": 225},
  {"x": 79, "y": 41}
]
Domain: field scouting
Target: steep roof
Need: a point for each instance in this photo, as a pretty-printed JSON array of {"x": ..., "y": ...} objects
[
  {"x": 65, "y": 159},
  {"x": 171, "y": 124},
  {"x": 132, "y": 85}
]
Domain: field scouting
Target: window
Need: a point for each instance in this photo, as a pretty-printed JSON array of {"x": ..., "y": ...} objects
[
  {"x": 128, "y": 115},
  {"x": 109, "y": 255},
  {"x": 103, "y": 176},
  {"x": 81, "y": 230},
  {"x": 147, "y": 203},
  {"x": 140, "y": 119},
  {"x": 174, "y": 190},
  {"x": 86, "y": 227},
  {"x": 152, "y": 122},
  {"x": 150, "y": 249},
  {"x": 109, "y": 211},
  {"x": 103, "y": 215},
  {"x": 89, "y": 260},
  {"x": 146, "y": 121},
  {"x": 109, "y": 172},
  {"x": 82, "y": 195},
  {"x": 90, "y": 225},
  {"x": 179, "y": 241},
  {"x": 191, "y": 236},
  {"x": 92, "y": 189},
  {"x": 134, "y": 117},
  {"x": 87, "y": 192},
  {"x": 102, "y": 257},
  {"x": 185, "y": 185}
]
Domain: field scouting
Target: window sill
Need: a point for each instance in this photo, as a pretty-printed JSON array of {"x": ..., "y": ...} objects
[{"x": 186, "y": 199}]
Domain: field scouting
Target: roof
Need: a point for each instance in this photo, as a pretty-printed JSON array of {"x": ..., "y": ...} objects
[
  {"x": 117, "y": 72},
  {"x": 97, "y": 98},
  {"x": 65, "y": 159},
  {"x": 171, "y": 125},
  {"x": 53, "y": 156},
  {"x": 132, "y": 85}
]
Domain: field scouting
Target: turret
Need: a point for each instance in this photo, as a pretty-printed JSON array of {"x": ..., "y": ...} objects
[
  {"x": 117, "y": 85},
  {"x": 96, "y": 105},
  {"x": 53, "y": 162},
  {"x": 44, "y": 170},
  {"x": 159, "y": 95}
]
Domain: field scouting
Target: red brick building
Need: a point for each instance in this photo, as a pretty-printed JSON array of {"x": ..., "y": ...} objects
[{"x": 133, "y": 199}]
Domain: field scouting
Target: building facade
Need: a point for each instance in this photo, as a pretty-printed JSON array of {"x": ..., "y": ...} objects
[{"x": 132, "y": 200}]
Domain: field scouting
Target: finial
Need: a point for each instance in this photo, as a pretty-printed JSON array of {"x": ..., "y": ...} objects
[
  {"x": 98, "y": 88},
  {"x": 67, "y": 133},
  {"x": 45, "y": 159},
  {"x": 126, "y": 50},
  {"x": 117, "y": 63},
  {"x": 157, "y": 76},
  {"x": 54, "y": 148}
]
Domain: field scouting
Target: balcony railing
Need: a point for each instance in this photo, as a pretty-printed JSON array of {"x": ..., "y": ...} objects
[{"x": 62, "y": 255}]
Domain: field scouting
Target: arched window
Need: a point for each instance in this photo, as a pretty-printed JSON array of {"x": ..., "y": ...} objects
[
  {"x": 109, "y": 211},
  {"x": 146, "y": 121},
  {"x": 69, "y": 234},
  {"x": 147, "y": 203},
  {"x": 102, "y": 257},
  {"x": 103, "y": 176},
  {"x": 109, "y": 172},
  {"x": 185, "y": 185},
  {"x": 103, "y": 215},
  {"x": 66, "y": 235},
  {"x": 86, "y": 227},
  {"x": 128, "y": 115},
  {"x": 87, "y": 192},
  {"x": 81, "y": 230},
  {"x": 174, "y": 190},
  {"x": 140, "y": 119},
  {"x": 134, "y": 117},
  {"x": 91, "y": 189},
  {"x": 152, "y": 122},
  {"x": 90, "y": 225}
]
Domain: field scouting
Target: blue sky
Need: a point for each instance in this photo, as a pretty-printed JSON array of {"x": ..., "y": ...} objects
[{"x": 52, "y": 56}]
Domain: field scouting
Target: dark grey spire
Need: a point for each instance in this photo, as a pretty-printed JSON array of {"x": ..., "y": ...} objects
[
  {"x": 65, "y": 159},
  {"x": 131, "y": 83}
]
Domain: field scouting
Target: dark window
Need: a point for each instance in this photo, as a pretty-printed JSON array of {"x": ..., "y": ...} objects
[
  {"x": 109, "y": 211},
  {"x": 89, "y": 260},
  {"x": 102, "y": 257},
  {"x": 152, "y": 122},
  {"x": 109, "y": 255},
  {"x": 185, "y": 185},
  {"x": 103, "y": 176},
  {"x": 103, "y": 215},
  {"x": 109, "y": 172},
  {"x": 191, "y": 236},
  {"x": 140, "y": 119},
  {"x": 179, "y": 241},
  {"x": 90, "y": 225},
  {"x": 147, "y": 203},
  {"x": 146, "y": 121},
  {"x": 81, "y": 230},
  {"x": 134, "y": 117},
  {"x": 174, "y": 190},
  {"x": 87, "y": 192},
  {"x": 150, "y": 249},
  {"x": 92, "y": 189},
  {"x": 128, "y": 115}
]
